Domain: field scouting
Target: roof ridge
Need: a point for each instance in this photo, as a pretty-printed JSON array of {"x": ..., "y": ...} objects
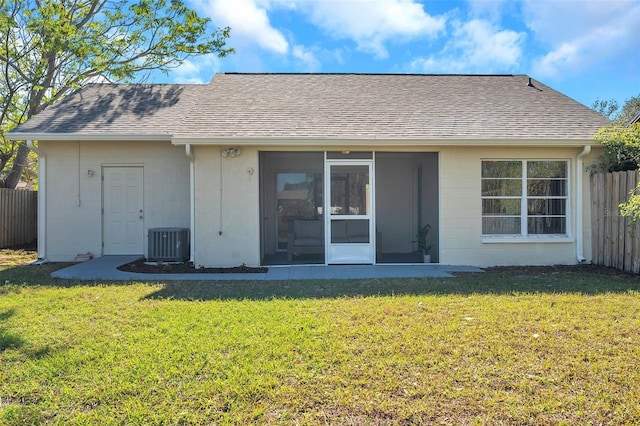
[
  {"x": 369, "y": 74},
  {"x": 116, "y": 84}
]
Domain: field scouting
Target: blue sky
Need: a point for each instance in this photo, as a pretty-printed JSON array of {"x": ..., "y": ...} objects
[{"x": 587, "y": 49}]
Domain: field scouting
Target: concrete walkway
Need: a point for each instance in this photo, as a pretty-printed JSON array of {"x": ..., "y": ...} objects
[{"x": 105, "y": 268}]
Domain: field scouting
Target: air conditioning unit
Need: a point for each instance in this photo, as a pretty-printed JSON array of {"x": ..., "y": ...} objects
[{"x": 169, "y": 244}]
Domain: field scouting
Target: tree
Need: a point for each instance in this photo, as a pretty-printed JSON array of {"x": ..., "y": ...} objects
[
  {"x": 630, "y": 109},
  {"x": 621, "y": 140},
  {"x": 621, "y": 147},
  {"x": 612, "y": 110},
  {"x": 606, "y": 108},
  {"x": 622, "y": 152},
  {"x": 49, "y": 48}
]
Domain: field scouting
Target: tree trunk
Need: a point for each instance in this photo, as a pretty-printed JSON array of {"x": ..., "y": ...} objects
[{"x": 19, "y": 163}]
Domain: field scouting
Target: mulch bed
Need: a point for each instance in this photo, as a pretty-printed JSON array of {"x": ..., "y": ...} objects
[
  {"x": 586, "y": 267},
  {"x": 185, "y": 268}
]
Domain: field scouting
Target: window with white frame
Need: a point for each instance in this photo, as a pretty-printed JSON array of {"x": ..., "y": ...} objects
[{"x": 524, "y": 198}]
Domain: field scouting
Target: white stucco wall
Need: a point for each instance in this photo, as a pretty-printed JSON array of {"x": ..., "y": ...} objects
[
  {"x": 461, "y": 239},
  {"x": 228, "y": 221},
  {"x": 227, "y": 227},
  {"x": 227, "y": 215},
  {"x": 74, "y": 199}
]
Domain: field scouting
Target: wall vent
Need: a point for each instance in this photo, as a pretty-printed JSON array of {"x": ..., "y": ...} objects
[{"x": 168, "y": 244}]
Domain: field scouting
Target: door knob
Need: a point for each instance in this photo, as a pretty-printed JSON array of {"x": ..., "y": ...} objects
[{"x": 141, "y": 215}]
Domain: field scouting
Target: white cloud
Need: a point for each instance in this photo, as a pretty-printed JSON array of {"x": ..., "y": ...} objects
[
  {"x": 311, "y": 58},
  {"x": 372, "y": 23},
  {"x": 487, "y": 46},
  {"x": 249, "y": 22},
  {"x": 197, "y": 70},
  {"x": 306, "y": 57},
  {"x": 565, "y": 56},
  {"x": 188, "y": 73},
  {"x": 582, "y": 34},
  {"x": 475, "y": 46},
  {"x": 494, "y": 9}
]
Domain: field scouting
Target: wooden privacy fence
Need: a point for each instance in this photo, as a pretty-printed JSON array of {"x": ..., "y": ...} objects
[
  {"x": 615, "y": 239},
  {"x": 18, "y": 217}
]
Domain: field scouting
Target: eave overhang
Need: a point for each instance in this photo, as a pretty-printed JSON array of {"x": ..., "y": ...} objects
[
  {"x": 379, "y": 142},
  {"x": 326, "y": 142},
  {"x": 18, "y": 136}
]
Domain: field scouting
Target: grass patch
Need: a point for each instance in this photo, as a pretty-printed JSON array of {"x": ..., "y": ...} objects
[{"x": 534, "y": 346}]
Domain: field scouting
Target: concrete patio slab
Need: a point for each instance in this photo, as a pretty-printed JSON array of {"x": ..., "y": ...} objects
[{"x": 105, "y": 268}]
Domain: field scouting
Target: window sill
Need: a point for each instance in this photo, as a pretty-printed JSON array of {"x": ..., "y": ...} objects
[{"x": 518, "y": 239}]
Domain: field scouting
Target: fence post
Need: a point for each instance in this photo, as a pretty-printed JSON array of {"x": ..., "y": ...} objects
[
  {"x": 628, "y": 224},
  {"x": 608, "y": 219},
  {"x": 596, "y": 219},
  {"x": 622, "y": 221}
]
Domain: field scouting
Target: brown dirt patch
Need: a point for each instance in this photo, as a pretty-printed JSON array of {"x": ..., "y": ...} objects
[{"x": 18, "y": 256}]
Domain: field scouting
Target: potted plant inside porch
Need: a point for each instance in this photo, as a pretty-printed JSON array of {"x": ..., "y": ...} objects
[{"x": 423, "y": 244}]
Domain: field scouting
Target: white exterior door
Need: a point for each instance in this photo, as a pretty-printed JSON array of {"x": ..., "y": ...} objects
[
  {"x": 349, "y": 221},
  {"x": 123, "y": 214}
]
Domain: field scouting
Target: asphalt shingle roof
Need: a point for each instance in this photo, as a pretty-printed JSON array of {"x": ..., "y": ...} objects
[
  {"x": 327, "y": 106},
  {"x": 152, "y": 109}
]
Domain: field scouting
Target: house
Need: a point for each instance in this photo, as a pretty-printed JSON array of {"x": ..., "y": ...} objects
[{"x": 268, "y": 169}]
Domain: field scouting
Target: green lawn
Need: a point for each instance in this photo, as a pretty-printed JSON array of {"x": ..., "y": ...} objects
[{"x": 532, "y": 346}]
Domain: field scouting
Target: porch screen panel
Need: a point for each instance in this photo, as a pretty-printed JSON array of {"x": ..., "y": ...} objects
[{"x": 299, "y": 196}]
